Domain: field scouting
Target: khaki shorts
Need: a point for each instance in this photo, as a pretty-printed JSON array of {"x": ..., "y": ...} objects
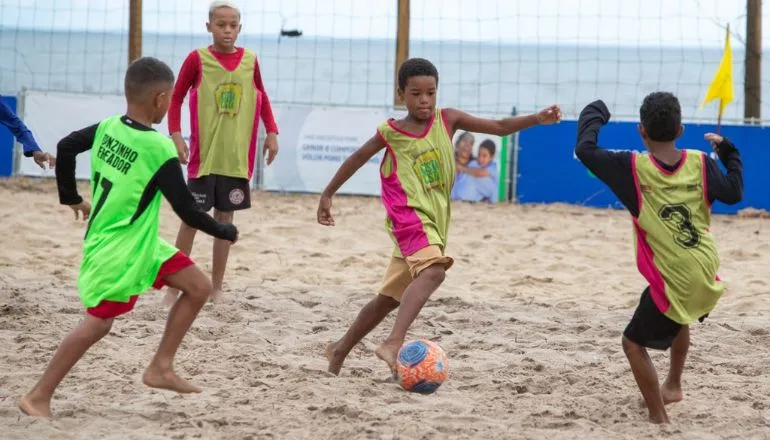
[{"x": 401, "y": 271}]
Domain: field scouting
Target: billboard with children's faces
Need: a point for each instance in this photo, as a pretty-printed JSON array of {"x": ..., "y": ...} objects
[{"x": 478, "y": 167}]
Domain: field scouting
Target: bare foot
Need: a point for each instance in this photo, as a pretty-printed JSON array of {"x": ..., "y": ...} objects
[
  {"x": 659, "y": 418},
  {"x": 216, "y": 296},
  {"x": 170, "y": 297},
  {"x": 168, "y": 380},
  {"x": 35, "y": 408},
  {"x": 335, "y": 358},
  {"x": 388, "y": 352},
  {"x": 671, "y": 393}
]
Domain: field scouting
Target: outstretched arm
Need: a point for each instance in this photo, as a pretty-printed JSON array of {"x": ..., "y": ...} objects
[
  {"x": 67, "y": 150},
  {"x": 345, "y": 172},
  {"x": 20, "y": 131},
  {"x": 170, "y": 181},
  {"x": 725, "y": 188},
  {"x": 459, "y": 120},
  {"x": 611, "y": 167}
]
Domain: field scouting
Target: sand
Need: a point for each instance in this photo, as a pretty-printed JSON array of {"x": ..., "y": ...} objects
[{"x": 530, "y": 317}]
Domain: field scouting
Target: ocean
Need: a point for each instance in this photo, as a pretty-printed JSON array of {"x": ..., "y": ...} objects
[{"x": 474, "y": 76}]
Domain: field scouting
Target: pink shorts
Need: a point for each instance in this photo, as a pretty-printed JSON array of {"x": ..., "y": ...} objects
[{"x": 112, "y": 309}]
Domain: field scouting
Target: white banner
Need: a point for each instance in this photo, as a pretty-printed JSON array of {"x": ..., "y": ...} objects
[
  {"x": 52, "y": 116},
  {"x": 313, "y": 144}
]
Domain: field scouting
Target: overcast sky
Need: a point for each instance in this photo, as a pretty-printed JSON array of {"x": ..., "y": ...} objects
[{"x": 653, "y": 22}]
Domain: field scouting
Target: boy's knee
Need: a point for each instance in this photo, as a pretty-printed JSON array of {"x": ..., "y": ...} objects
[
  {"x": 630, "y": 347},
  {"x": 184, "y": 227},
  {"x": 223, "y": 216},
  {"x": 436, "y": 274},
  {"x": 384, "y": 302},
  {"x": 201, "y": 289},
  {"x": 101, "y": 327}
]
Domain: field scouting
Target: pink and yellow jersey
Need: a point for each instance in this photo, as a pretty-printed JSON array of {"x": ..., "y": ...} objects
[
  {"x": 224, "y": 118},
  {"x": 675, "y": 250},
  {"x": 417, "y": 174}
]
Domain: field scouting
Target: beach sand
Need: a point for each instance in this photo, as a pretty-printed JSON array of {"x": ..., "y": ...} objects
[{"x": 530, "y": 317}]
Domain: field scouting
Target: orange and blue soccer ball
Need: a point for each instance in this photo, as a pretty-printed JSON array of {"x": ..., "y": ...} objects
[{"x": 421, "y": 366}]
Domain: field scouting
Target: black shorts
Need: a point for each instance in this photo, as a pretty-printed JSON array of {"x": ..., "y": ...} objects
[
  {"x": 649, "y": 327},
  {"x": 221, "y": 192}
]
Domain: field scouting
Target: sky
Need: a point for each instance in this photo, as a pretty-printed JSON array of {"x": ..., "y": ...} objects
[{"x": 647, "y": 22}]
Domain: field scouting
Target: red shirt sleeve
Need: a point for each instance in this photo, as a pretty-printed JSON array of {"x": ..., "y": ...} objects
[
  {"x": 266, "y": 112},
  {"x": 188, "y": 76}
]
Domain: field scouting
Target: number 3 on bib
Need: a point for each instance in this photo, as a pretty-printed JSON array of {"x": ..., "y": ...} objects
[{"x": 679, "y": 215}]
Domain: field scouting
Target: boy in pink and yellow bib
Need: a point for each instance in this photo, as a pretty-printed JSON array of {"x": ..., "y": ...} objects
[
  {"x": 227, "y": 100},
  {"x": 417, "y": 174}
]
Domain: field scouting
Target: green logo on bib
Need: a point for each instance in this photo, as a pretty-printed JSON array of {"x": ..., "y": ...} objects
[
  {"x": 427, "y": 167},
  {"x": 228, "y": 98}
]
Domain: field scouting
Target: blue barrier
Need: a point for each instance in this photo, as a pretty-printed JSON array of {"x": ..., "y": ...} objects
[
  {"x": 7, "y": 142},
  {"x": 549, "y": 172}
]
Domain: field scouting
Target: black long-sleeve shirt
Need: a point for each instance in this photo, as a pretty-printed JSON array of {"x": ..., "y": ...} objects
[
  {"x": 615, "y": 170},
  {"x": 169, "y": 180}
]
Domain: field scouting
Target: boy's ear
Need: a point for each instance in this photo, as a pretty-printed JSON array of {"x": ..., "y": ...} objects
[
  {"x": 208, "y": 27},
  {"x": 158, "y": 101},
  {"x": 400, "y": 95},
  {"x": 679, "y": 133}
]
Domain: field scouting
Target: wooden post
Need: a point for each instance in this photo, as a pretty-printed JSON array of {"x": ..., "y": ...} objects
[
  {"x": 752, "y": 88},
  {"x": 402, "y": 44},
  {"x": 134, "y": 30}
]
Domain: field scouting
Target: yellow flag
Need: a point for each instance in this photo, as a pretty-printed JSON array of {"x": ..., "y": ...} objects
[{"x": 722, "y": 85}]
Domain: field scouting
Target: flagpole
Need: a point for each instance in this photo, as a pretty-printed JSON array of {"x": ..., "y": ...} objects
[{"x": 719, "y": 116}]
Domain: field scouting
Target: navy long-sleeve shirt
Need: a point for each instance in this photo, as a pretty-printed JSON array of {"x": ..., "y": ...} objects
[
  {"x": 614, "y": 167},
  {"x": 20, "y": 131}
]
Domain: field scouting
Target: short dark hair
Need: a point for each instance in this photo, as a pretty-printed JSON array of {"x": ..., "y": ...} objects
[
  {"x": 489, "y": 144},
  {"x": 144, "y": 74},
  {"x": 415, "y": 67},
  {"x": 661, "y": 116}
]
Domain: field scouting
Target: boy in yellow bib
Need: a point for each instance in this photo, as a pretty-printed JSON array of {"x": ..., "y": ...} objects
[
  {"x": 669, "y": 193},
  {"x": 417, "y": 174},
  {"x": 227, "y": 102}
]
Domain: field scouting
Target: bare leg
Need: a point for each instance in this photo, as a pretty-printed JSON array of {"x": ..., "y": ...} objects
[
  {"x": 415, "y": 297},
  {"x": 89, "y": 331},
  {"x": 196, "y": 289},
  {"x": 647, "y": 380},
  {"x": 672, "y": 387},
  {"x": 184, "y": 242},
  {"x": 221, "y": 252},
  {"x": 368, "y": 318}
]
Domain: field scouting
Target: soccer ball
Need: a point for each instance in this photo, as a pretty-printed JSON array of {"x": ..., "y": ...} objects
[{"x": 421, "y": 366}]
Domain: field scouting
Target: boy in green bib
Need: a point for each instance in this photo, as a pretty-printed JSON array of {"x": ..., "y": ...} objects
[
  {"x": 123, "y": 256},
  {"x": 669, "y": 193}
]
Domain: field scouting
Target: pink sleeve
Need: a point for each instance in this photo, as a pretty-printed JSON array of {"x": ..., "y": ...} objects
[{"x": 188, "y": 76}]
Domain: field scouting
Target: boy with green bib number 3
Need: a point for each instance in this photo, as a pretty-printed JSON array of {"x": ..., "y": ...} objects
[
  {"x": 227, "y": 100},
  {"x": 669, "y": 193},
  {"x": 123, "y": 256},
  {"x": 417, "y": 174}
]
